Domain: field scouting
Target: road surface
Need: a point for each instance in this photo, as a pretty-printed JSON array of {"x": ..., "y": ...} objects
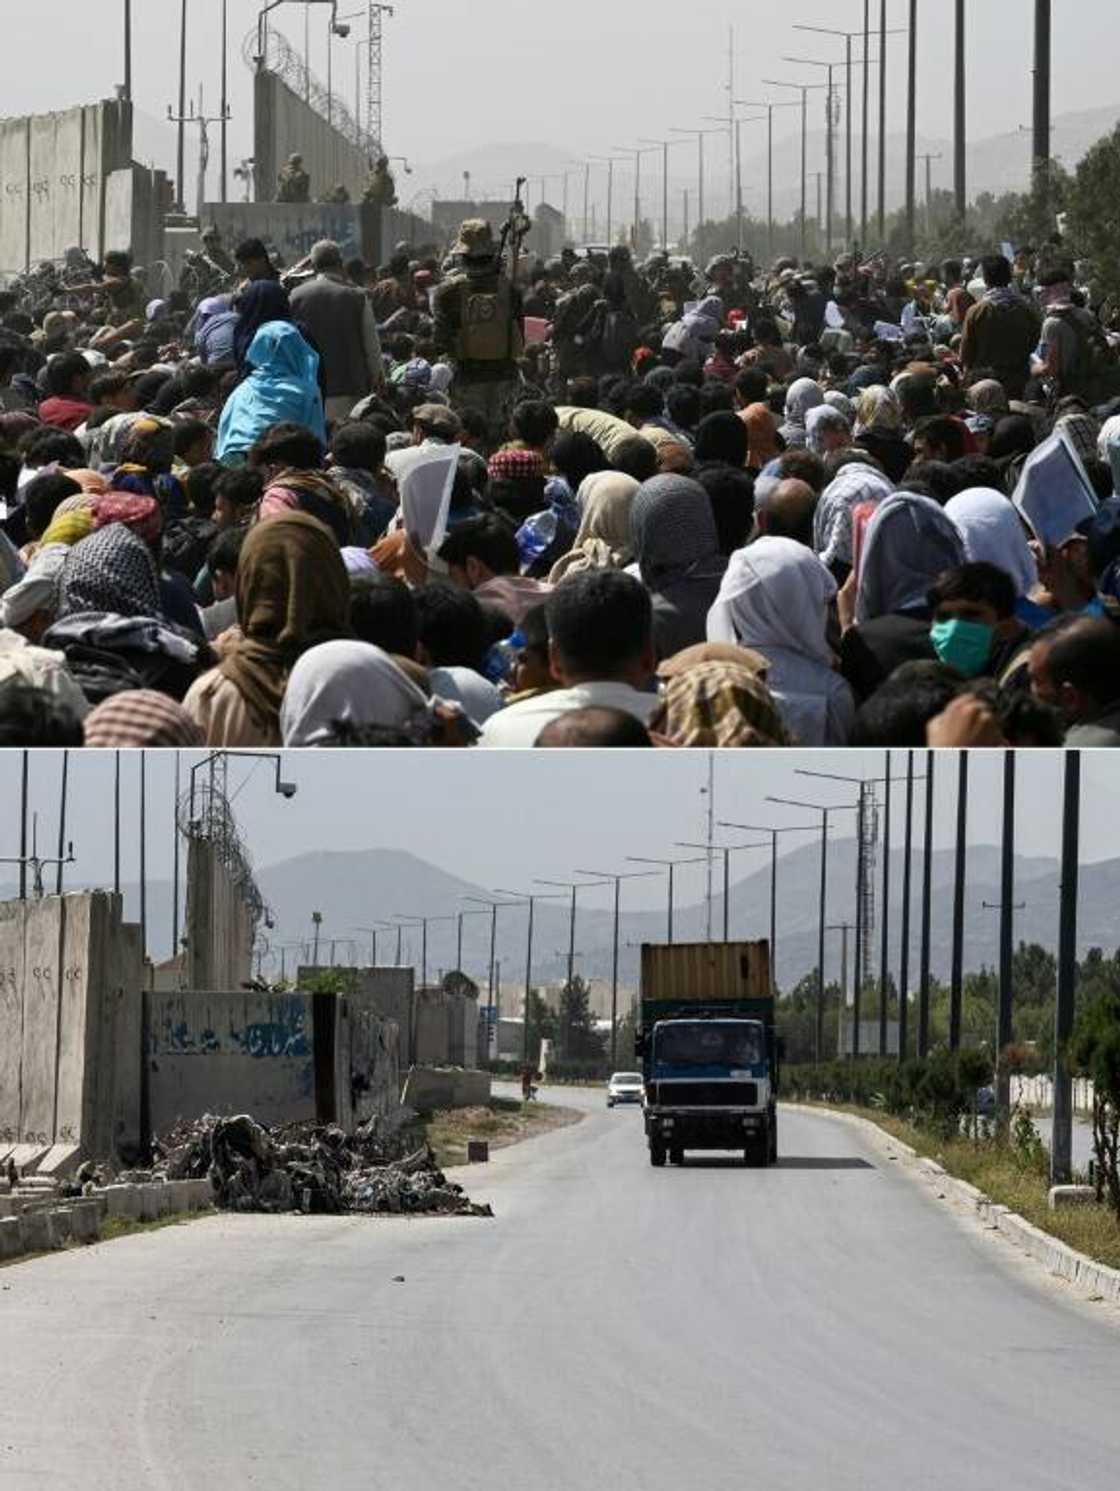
[{"x": 824, "y": 1326}]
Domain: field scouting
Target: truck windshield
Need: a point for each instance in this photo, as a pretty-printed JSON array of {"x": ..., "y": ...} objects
[{"x": 709, "y": 1045}]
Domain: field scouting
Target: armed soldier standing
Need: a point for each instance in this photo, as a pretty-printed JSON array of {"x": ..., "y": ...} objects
[
  {"x": 479, "y": 325},
  {"x": 295, "y": 183}
]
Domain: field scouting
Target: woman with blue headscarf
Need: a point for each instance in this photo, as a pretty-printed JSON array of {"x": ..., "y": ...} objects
[{"x": 282, "y": 388}]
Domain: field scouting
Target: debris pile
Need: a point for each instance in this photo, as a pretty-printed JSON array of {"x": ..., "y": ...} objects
[{"x": 310, "y": 1167}]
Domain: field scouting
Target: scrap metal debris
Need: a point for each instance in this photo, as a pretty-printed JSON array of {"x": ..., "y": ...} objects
[{"x": 310, "y": 1167}]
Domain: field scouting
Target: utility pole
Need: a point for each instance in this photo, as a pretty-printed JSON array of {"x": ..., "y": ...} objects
[
  {"x": 1061, "y": 1142},
  {"x": 885, "y": 946},
  {"x": 25, "y": 767},
  {"x": 128, "y": 51},
  {"x": 911, "y": 123},
  {"x": 882, "y": 122},
  {"x": 960, "y": 183},
  {"x": 843, "y": 928},
  {"x": 956, "y": 980},
  {"x": 1042, "y": 85},
  {"x": 180, "y": 156},
  {"x": 224, "y": 113},
  {"x": 204, "y": 122},
  {"x": 866, "y": 120}
]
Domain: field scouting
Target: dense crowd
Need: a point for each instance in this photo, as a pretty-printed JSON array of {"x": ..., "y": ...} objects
[{"x": 867, "y": 503}]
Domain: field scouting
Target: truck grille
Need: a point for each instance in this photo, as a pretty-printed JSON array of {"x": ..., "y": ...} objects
[{"x": 705, "y": 1094}]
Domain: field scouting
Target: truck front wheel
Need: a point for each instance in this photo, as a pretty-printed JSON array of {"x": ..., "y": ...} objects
[
  {"x": 656, "y": 1153},
  {"x": 757, "y": 1151},
  {"x": 676, "y": 1155}
]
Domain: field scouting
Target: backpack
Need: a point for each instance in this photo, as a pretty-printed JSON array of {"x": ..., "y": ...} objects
[
  {"x": 1093, "y": 366},
  {"x": 488, "y": 332}
]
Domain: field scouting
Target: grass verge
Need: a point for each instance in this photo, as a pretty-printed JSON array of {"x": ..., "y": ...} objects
[
  {"x": 503, "y": 1121},
  {"x": 994, "y": 1169},
  {"x": 111, "y": 1229}
]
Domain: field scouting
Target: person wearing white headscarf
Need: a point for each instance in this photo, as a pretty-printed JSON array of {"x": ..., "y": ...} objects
[
  {"x": 853, "y": 486},
  {"x": 804, "y": 394},
  {"x": 909, "y": 544},
  {"x": 603, "y": 540},
  {"x": 992, "y": 533},
  {"x": 1108, "y": 448},
  {"x": 354, "y": 685},
  {"x": 775, "y": 599}
]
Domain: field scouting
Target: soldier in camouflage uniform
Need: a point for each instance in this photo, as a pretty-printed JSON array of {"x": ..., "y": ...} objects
[
  {"x": 295, "y": 183},
  {"x": 479, "y": 326}
]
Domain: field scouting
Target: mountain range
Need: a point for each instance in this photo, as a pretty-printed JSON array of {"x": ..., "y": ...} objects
[
  {"x": 996, "y": 164},
  {"x": 357, "y": 889}
]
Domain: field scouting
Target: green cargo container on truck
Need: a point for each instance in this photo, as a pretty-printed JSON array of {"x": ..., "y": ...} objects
[{"x": 710, "y": 1056}]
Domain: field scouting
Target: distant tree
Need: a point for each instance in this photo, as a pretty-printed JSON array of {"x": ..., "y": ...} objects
[
  {"x": 1093, "y": 215},
  {"x": 579, "y": 1040}
]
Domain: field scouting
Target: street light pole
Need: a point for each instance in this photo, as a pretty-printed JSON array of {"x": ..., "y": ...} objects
[
  {"x": 670, "y": 865},
  {"x": 756, "y": 828},
  {"x": 904, "y": 962},
  {"x": 1006, "y": 934},
  {"x": 1042, "y": 63},
  {"x": 927, "y": 898},
  {"x": 1061, "y": 1143},
  {"x": 727, "y": 851},
  {"x": 816, "y": 807},
  {"x": 885, "y": 947},
  {"x": 959, "y": 115},
  {"x": 606, "y": 877},
  {"x": 956, "y": 978},
  {"x": 804, "y": 89},
  {"x": 769, "y": 107}
]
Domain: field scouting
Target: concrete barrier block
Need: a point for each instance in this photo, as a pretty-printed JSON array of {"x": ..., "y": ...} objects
[
  {"x": 60, "y": 1160},
  {"x": 149, "y": 1201},
  {"x": 36, "y": 1232},
  {"x": 123, "y": 1201},
  {"x": 1063, "y": 1196},
  {"x": 85, "y": 1221},
  {"x": 200, "y": 1194},
  {"x": 478, "y": 1151},
  {"x": 178, "y": 1196},
  {"x": 62, "y": 1225},
  {"x": 9, "y": 1206},
  {"x": 11, "y": 1238}
]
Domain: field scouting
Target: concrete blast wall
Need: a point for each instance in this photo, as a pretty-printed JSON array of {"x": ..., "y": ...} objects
[
  {"x": 55, "y": 177},
  {"x": 281, "y": 1057},
  {"x": 219, "y": 924},
  {"x": 389, "y": 992},
  {"x": 70, "y": 979},
  {"x": 285, "y": 126}
]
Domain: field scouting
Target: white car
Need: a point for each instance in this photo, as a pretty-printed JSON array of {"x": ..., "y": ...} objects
[{"x": 625, "y": 1087}]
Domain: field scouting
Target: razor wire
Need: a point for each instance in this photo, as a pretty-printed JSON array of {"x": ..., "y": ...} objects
[
  {"x": 284, "y": 62},
  {"x": 209, "y": 819}
]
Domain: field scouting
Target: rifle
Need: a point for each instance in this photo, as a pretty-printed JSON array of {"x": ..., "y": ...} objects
[{"x": 516, "y": 228}]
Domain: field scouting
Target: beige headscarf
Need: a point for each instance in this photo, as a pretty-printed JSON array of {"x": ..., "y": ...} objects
[{"x": 603, "y": 540}]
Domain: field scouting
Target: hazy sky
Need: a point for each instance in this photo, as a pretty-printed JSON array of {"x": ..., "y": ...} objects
[
  {"x": 500, "y": 819},
  {"x": 581, "y": 76}
]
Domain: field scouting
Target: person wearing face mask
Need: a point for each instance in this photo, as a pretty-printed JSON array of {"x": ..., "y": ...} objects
[{"x": 975, "y": 630}]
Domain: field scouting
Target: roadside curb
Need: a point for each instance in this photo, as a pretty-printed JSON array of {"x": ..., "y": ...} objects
[
  {"x": 35, "y": 1219},
  {"x": 1096, "y": 1280}
]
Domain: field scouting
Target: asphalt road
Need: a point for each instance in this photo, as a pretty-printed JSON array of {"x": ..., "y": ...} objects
[{"x": 821, "y": 1326}]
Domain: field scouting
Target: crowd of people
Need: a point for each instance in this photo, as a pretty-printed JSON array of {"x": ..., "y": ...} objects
[{"x": 721, "y": 507}]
